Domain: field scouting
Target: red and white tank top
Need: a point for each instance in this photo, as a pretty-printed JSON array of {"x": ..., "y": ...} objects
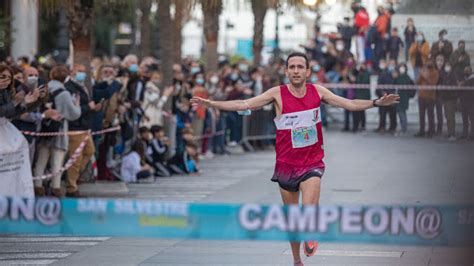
[{"x": 299, "y": 138}]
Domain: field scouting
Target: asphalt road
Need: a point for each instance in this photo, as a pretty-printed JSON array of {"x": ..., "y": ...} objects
[{"x": 361, "y": 169}]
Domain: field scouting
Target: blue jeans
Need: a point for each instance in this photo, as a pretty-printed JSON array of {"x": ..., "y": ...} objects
[
  {"x": 402, "y": 114},
  {"x": 234, "y": 122}
]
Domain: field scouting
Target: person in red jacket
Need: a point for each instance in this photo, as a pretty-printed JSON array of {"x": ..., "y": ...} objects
[{"x": 361, "y": 23}]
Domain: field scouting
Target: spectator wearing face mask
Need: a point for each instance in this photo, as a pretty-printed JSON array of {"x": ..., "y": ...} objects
[
  {"x": 419, "y": 52},
  {"x": 105, "y": 87},
  {"x": 154, "y": 101},
  {"x": 199, "y": 113},
  {"x": 106, "y": 90},
  {"x": 129, "y": 66},
  {"x": 459, "y": 60},
  {"x": 52, "y": 150},
  {"x": 31, "y": 121},
  {"x": 385, "y": 77},
  {"x": 18, "y": 77},
  {"x": 137, "y": 86},
  {"x": 449, "y": 98},
  {"x": 427, "y": 99},
  {"x": 75, "y": 86},
  {"x": 402, "y": 78},
  {"x": 13, "y": 103},
  {"x": 217, "y": 92},
  {"x": 17, "y": 182},
  {"x": 442, "y": 46}
]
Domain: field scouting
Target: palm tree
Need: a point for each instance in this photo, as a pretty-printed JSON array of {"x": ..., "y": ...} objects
[
  {"x": 259, "y": 9},
  {"x": 212, "y": 10},
  {"x": 181, "y": 16},
  {"x": 145, "y": 28},
  {"x": 166, "y": 42},
  {"x": 80, "y": 14}
]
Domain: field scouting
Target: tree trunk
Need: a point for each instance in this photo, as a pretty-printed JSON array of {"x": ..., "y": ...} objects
[
  {"x": 180, "y": 7},
  {"x": 212, "y": 10},
  {"x": 259, "y": 8},
  {"x": 166, "y": 42},
  {"x": 145, "y": 44},
  {"x": 80, "y": 14}
]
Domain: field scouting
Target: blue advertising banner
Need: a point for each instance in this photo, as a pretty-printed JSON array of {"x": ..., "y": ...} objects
[{"x": 400, "y": 225}]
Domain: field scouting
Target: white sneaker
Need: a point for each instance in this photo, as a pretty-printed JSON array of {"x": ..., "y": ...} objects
[
  {"x": 232, "y": 143},
  {"x": 451, "y": 138},
  {"x": 209, "y": 154}
]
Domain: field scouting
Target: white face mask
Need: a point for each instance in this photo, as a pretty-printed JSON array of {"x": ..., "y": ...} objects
[
  {"x": 340, "y": 46},
  {"x": 214, "y": 79},
  {"x": 447, "y": 68},
  {"x": 32, "y": 81},
  {"x": 402, "y": 70}
]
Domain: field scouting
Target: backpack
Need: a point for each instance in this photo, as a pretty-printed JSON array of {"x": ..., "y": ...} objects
[{"x": 49, "y": 125}]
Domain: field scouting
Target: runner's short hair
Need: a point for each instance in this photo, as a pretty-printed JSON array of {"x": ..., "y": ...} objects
[{"x": 297, "y": 54}]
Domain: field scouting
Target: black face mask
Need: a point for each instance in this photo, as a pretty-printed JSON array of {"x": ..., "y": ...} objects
[{"x": 16, "y": 83}]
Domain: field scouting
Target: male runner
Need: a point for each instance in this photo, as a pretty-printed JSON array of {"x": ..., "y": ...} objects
[{"x": 299, "y": 140}]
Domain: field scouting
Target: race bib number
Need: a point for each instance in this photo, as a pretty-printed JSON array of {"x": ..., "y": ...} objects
[{"x": 304, "y": 136}]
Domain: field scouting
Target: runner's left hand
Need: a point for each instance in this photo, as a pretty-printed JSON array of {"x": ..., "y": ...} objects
[{"x": 388, "y": 99}]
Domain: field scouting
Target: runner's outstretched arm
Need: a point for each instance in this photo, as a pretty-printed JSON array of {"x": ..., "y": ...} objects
[
  {"x": 355, "y": 105},
  {"x": 238, "y": 105}
]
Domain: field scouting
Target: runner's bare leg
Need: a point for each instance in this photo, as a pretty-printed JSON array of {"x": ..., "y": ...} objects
[
  {"x": 311, "y": 189},
  {"x": 289, "y": 197}
]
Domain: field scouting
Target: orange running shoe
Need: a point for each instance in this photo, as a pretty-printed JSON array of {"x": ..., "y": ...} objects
[{"x": 310, "y": 248}]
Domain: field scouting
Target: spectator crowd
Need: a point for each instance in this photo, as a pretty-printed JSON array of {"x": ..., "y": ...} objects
[{"x": 161, "y": 134}]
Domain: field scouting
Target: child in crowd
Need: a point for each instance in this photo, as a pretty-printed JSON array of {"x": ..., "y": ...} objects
[
  {"x": 133, "y": 167},
  {"x": 185, "y": 162},
  {"x": 157, "y": 149}
]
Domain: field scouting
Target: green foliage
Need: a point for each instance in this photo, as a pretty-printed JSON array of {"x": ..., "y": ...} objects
[
  {"x": 48, "y": 31},
  {"x": 234, "y": 59},
  {"x": 5, "y": 34}
]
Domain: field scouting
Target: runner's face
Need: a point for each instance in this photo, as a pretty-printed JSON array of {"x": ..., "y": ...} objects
[{"x": 296, "y": 71}]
